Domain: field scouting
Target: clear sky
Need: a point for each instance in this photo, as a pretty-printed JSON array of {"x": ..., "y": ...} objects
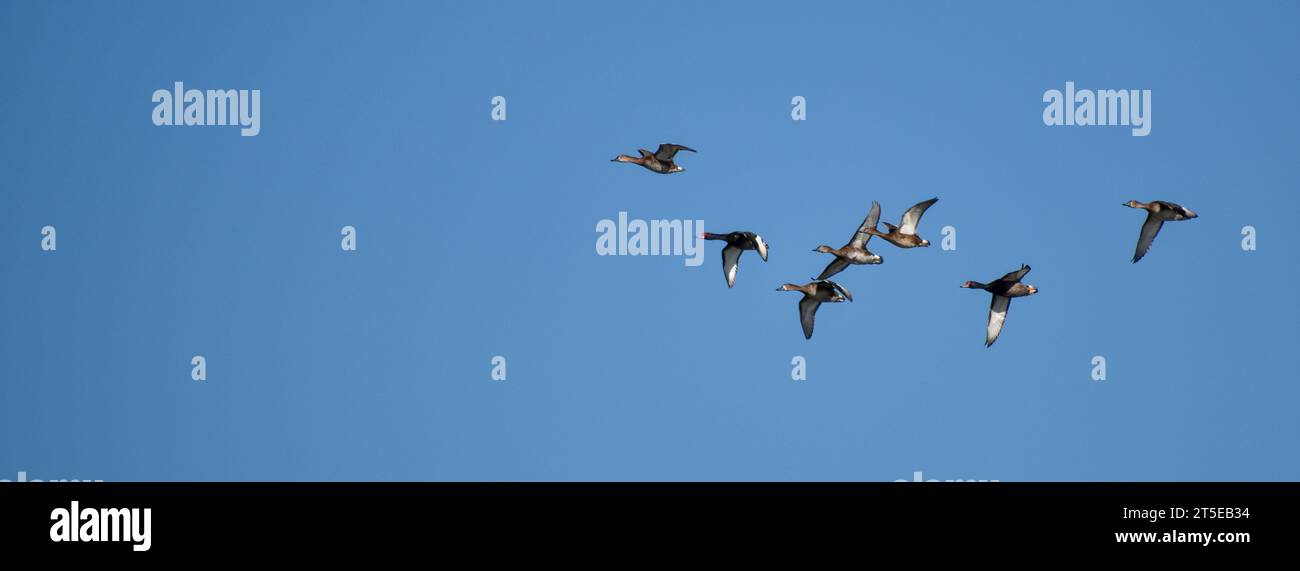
[{"x": 477, "y": 238}]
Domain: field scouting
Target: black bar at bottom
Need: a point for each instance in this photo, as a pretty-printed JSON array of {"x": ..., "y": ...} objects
[{"x": 318, "y": 519}]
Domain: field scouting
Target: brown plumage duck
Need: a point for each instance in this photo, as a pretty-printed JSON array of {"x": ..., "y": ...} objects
[
  {"x": 1003, "y": 289},
  {"x": 660, "y": 161},
  {"x": 814, "y": 294},
  {"x": 904, "y": 235},
  {"x": 855, "y": 252},
  {"x": 1158, "y": 212}
]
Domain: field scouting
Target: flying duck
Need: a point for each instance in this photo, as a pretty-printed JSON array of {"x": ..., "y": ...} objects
[
  {"x": 737, "y": 243},
  {"x": 904, "y": 235},
  {"x": 814, "y": 294},
  {"x": 1003, "y": 289},
  {"x": 855, "y": 252},
  {"x": 1158, "y": 211},
  {"x": 661, "y": 161}
]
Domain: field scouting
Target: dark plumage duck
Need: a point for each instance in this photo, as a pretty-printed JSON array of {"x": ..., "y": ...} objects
[
  {"x": 904, "y": 235},
  {"x": 1003, "y": 289},
  {"x": 737, "y": 243},
  {"x": 661, "y": 161},
  {"x": 814, "y": 294},
  {"x": 1158, "y": 212},
  {"x": 855, "y": 252}
]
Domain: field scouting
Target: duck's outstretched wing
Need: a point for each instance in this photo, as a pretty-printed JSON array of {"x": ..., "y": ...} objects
[
  {"x": 997, "y": 316},
  {"x": 861, "y": 237},
  {"x": 836, "y": 266},
  {"x": 761, "y": 246},
  {"x": 913, "y": 216},
  {"x": 1015, "y": 276},
  {"x": 1149, "y": 230},
  {"x": 667, "y": 151},
  {"x": 731, "y": 263},
  {"x": 807, "y": 313}
]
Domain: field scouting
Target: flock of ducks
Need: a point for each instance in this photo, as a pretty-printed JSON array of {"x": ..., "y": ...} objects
[{"x": 823, "y": 290}]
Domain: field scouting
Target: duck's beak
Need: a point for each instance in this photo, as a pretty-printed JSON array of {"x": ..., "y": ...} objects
[{"x": 1033, "y": 289}]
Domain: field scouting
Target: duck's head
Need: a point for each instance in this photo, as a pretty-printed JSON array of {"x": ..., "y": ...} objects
[
  {"x": 824, "y": 249},
  {"x": 925, "y": 242},
  {"x": 676, "y": 168},
  {"x": 1032, "y": 290},
  {"x": 875, "y": 259},
  {"x": 973, "y": 285},
  {"x": 1133, "y": 204}
]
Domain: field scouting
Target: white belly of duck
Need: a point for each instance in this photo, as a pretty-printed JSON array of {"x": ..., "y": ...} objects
[{"x": 861, "y": 257}]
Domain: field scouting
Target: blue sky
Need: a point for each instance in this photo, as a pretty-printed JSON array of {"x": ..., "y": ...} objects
[{"x": 476, "y": 238}]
